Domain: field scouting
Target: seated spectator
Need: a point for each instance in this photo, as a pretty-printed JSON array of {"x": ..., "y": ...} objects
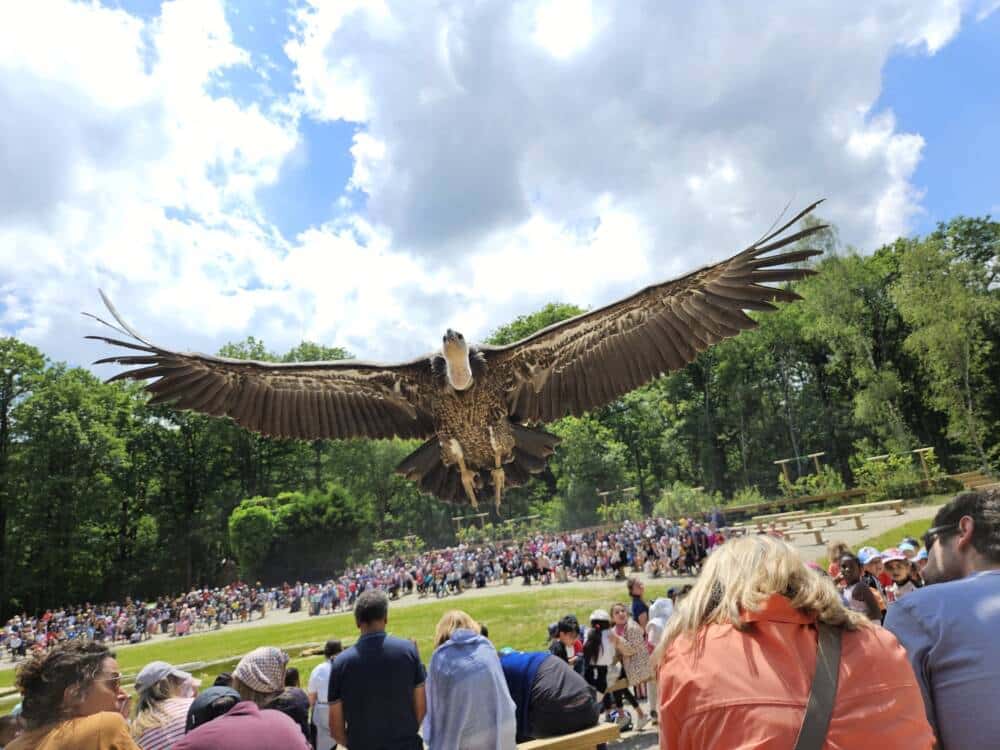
[
  {"x": 550, "y": 697},
  {"x": 260, "y": 675},
  {"x": 210, "y": 704},
  {"x": 899, "y": 569},
  {"x": 857, "y": 595},
  {"x": 949, "y": 627},
  {"x": 163, "y": 697},
  {"x": 294, "y": 703},
  {"x": 223, "y": 680},
  {"x": 468, "y": 704},
  {"x": 319, "y": 687},
  {"x": 260, "y": 678},
  {"x": 245, "y": 727},
  {"x": 564, "y": 643},
  {"x": 376, "y": 691},
  {"x": 72, "y": 700},
  {"x": 738, "y": 658}
]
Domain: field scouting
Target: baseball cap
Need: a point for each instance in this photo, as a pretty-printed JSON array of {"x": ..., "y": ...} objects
[
  {"x": 600, "y": 614},
  {"x": 210, "y": 704},
  {"x": 907, "y": 547},
  {"x": 892, "y": 554},
  {"x": 922, "y": 555},
  {"x": 868, "y": 554},
  {"x": 155, "y": 671}
]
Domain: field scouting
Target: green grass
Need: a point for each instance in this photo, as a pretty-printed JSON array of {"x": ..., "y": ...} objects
[
  {"x": 518, "y": 618},
  {"x": 890, "y": 538}
]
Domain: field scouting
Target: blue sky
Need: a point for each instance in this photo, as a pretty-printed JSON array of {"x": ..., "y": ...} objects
[
  {"x": 953, "y": 100},
  {"x": 366, "y": 174}
]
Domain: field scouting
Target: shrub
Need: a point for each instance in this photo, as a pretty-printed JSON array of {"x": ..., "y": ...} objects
[
  {"x": 684, "y": 500},
  {"x": 623, "y": 510},
  {"x": 827, "y": 480},
  {"x": 898, "y": 476}
]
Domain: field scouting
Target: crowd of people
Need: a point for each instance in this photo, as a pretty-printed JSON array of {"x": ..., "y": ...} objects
[
  {"x": 658, "y": 547},
  {"x": 133, "y": 621},
  {"x": 888, "y": 649}
]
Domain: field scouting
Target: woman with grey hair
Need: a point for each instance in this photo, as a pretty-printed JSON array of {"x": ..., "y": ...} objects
[{"x": 164, "y": 695}]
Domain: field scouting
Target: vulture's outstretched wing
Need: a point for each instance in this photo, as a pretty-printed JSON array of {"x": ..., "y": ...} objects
[
  {"x": 588, "y": 361},
  {"x": 308, "y": 400}
]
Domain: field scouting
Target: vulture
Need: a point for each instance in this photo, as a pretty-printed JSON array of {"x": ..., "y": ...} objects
[{"x": 478, "y": 407}]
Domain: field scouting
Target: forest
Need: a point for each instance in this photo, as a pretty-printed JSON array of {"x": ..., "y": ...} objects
[{"x": 103, "y": 496}]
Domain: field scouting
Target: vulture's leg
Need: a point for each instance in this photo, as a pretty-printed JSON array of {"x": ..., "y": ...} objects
[
  {"x": 499, "y": 478},
  {"x": 468, "y": 477},
  {"x": 498, "y": 483},
  {"x": 468, "y": 481}
]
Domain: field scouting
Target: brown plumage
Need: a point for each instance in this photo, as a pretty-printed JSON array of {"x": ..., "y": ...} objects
[{"x": 472, "y": 405}]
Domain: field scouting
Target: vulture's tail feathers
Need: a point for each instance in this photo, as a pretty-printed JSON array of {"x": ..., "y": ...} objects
[
  {"x": 532, "y": 449},
  {"x": 424, "y": 466}
]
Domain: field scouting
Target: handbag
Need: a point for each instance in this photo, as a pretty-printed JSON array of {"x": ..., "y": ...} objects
[{"x": 823, "y": 692}]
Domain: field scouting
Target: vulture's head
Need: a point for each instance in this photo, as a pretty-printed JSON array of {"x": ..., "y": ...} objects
[{"x": 456, "y": 357}]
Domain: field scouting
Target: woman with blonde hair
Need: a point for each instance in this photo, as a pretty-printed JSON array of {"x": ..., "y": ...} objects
[
  {"x": 739, "y": 656},
  {"x": 468, "y": 703},
  {"x": 163, "y": 696}
]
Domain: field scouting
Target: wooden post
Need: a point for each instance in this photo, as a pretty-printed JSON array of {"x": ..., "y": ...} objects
[
  {"x": 783, "y": 463},
  {"x": 815, "y": 458},
  {"x": 923, "y": 462}
]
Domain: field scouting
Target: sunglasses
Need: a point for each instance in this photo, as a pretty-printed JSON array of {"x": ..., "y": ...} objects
[
  {"x": 115, "y": 678},
  {"x": 935, "y": 533}
]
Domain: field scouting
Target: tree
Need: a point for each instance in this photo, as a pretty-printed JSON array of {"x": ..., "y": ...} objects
[
  {"x": 950, "y": 315},
  {"x": 251, "y": 531},
  {"x": 525, "y": 325},
  {"x": 21, "y": 367}
]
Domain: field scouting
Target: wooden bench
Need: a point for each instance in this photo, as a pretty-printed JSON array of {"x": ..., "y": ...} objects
[
  {"x": 857, "y": 518},
  {"x": 829, "y": 518},
  {"x": 776, "y": 516},
  {"x": 817, "y": 534},
  {"x": 896, "y": 505},
  {"x": 587, "y": 739}
]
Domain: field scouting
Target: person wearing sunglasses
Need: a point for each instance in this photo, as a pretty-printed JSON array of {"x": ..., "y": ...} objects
[
  {"x": 72, "y": 699},
  {"x": 950, "y": 627}
]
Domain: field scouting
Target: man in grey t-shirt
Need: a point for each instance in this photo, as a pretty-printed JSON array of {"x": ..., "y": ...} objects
[{"x": 951, "y": 629}]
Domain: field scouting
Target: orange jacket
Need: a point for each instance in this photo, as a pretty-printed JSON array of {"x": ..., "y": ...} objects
[{"x": 749, "y": 689}]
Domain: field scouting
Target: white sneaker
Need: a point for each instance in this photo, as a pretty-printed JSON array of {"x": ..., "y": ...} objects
[{"x": 643, "y": 722}]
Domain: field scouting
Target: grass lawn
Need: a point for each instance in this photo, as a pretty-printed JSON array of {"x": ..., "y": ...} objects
[
  {"x": 518, "y": 618},
  {"x": 891, "y": 538}
]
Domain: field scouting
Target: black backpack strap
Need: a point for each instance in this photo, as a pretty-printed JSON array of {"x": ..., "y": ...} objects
[{"x": 816, "y": 722}]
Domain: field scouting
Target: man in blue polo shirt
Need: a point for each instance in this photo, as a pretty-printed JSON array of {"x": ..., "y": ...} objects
[
  {"x": 376, "y": 691},
  {"x": 951, "y": 627}
]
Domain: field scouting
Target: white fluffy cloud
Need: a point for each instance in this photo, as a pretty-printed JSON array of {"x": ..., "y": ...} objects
[{"x": 511, "y": 154}]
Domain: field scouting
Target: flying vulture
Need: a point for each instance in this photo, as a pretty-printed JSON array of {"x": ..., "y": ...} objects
[{"x": 478, "y": 406}]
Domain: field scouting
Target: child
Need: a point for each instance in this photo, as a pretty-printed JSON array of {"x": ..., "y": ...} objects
[
  {"x": 563, "y": 644},
  {"x": 899, "y": 569}
]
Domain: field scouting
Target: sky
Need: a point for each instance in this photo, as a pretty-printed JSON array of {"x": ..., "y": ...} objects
[{"x": 368, "y": 173}]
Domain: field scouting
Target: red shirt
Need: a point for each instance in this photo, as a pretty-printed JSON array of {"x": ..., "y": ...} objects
[{"x": 738, "y": 690}]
